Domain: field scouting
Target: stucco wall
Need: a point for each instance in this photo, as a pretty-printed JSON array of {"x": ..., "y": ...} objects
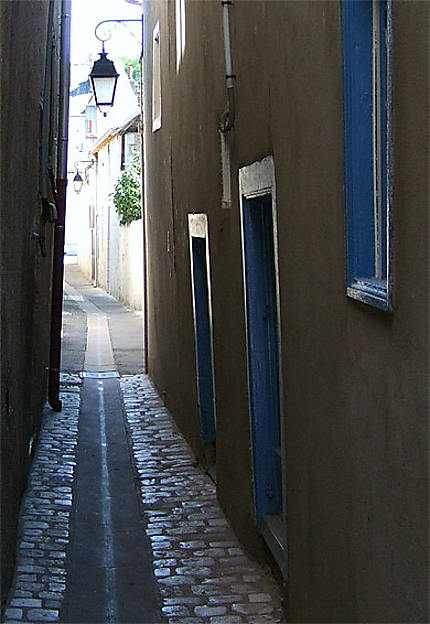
[
  {"x": 354, "y": 379},
  {"x": 25, "y": 275},
  {"x": 126, "y": 257},
  {"x": 119, "y": 248}
]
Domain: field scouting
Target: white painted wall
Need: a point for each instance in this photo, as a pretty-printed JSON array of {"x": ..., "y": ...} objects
[
  {"x": 120, "y": 248},
  {"x": 126, "y": 259}
]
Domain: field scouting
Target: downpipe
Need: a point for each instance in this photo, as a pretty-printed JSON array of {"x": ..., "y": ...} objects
[
  {"x": 59, "y": 234},
  {"x": 229, "y": 115}
]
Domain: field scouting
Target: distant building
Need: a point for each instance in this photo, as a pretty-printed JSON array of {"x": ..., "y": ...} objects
[
  {"x": 286, "y": 200},
  {"x": 101, "y": 148},
  {"x": 119, "y": 256}
]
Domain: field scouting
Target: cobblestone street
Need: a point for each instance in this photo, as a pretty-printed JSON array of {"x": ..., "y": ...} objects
[{"x": 170, "y": 548}]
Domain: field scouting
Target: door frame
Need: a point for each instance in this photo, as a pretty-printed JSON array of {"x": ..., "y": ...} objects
[
  {"x": 258, "y": 180},
  {"x": 198, "y": 228}
]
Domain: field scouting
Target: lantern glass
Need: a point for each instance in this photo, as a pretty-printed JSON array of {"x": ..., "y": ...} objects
[
  {"x": 104, "y": 90},
  {"x": 103, "y": 80},
  {"x": 78, "y": 183}
]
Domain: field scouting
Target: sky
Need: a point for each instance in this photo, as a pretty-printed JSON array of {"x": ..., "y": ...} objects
[
  {"x": 86, "y": 14},
  {"x": 85, "y": 48}
]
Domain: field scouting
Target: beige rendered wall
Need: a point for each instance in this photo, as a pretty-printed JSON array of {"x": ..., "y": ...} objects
[{"x": 354, "y": 379}]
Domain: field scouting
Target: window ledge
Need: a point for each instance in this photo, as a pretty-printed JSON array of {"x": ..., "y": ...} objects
[
  {"x": 272, "y": 531},
  {"x": 371, "y": 292}
]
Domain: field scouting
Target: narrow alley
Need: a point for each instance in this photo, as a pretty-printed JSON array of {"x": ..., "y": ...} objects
[
  {"x": 119, "y": 523},
  {"x": 214, "y": 308}
]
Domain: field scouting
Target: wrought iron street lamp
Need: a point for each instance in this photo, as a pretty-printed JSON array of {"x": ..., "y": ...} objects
[
  {"x": 104, "y": 76},
  {"x": 103, "y": 80},
  {"x": 78, "y": 183}
]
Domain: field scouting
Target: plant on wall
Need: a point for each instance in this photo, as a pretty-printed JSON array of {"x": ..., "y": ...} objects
[
  {"x": 127, "y": 195},
  {"x": 134, "y": 64}
]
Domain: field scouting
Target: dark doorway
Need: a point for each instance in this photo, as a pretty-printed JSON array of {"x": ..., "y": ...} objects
[{"x": 263, "y": 353}]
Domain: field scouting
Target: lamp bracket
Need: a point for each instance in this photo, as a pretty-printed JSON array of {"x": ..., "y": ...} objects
[{"x": 115, "y": 21}]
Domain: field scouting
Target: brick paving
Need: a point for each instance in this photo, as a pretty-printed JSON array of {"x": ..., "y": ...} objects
[
  {"x": 44, "y": 527},
  {"x": 203, "y": 574}
]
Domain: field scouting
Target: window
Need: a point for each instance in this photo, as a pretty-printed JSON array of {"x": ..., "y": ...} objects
[
  {"x": 366, "y": 28},
  {"x": 130, "y": 148},
  {"x": 90, "y": 122},
  {"x": 180, "y": 31},
  {"x": 156, "y": 78}
]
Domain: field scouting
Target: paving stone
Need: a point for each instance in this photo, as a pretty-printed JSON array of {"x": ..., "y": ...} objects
[
  {"x": 184, "y": 600},
  {"x": 175, "y": 610},
  {"x": 25, "y": 602},
  {"x": 21, "y": 593},
  {"x": 195, "y": 571},
  {"x": 52, "y": 604},
  {"x": 57, "y": 587},
  {"x": 226, "y": 619},
  {"x": 29, "y": 568},
  {"x": 51, "y": 595},
  {"x": 224, "y": 598},
  {"x": 188, "y": 620},
  {"x": 26, "y": 577},
  {"x": 192, "y": 544},
  {"x": 31, "y": 587},
  {"x": 180, "y": 504},
  {"x": 37, "y": 525},
  {"x": 165, "y": 562},
  {"x": 43, "y": 615},
  {"x": 162, "y": 572},
  {"x": 177, "y": 580},
  {"x": 210, "y": 611},
  {"x": 12, "y": 613}
]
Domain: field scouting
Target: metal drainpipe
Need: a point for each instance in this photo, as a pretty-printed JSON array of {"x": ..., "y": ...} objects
[
  {"x": 145, "y": 300},
  {"x": 230, "y": 114},
  {"x": 58, "y": 259},
  {"x": 48, "y": 212},
  {"x": 46, "y": 113}
]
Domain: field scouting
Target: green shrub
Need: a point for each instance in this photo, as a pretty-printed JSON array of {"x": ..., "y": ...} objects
[{"x": 127, "y": 194}]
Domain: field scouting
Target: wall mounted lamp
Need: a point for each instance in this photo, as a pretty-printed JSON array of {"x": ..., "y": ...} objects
[
  {"x": 104, "y": 76},
  {"x": 78, "y": 181}
]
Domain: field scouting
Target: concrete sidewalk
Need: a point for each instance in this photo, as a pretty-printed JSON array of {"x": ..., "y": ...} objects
[
  {"x": 125, "y": 325},
  {"x": 119, "y": 524}
]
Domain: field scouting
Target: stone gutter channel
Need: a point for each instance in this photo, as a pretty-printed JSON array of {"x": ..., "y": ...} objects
[{"x": 118, "y": 523}]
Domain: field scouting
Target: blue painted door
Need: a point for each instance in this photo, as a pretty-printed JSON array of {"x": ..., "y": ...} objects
[
  {"x": 263, "y": 353},
  {"x": 205, "y": 377}
]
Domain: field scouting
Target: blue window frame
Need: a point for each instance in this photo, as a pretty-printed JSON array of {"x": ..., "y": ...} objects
[{"x": 366, "y": 29}]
